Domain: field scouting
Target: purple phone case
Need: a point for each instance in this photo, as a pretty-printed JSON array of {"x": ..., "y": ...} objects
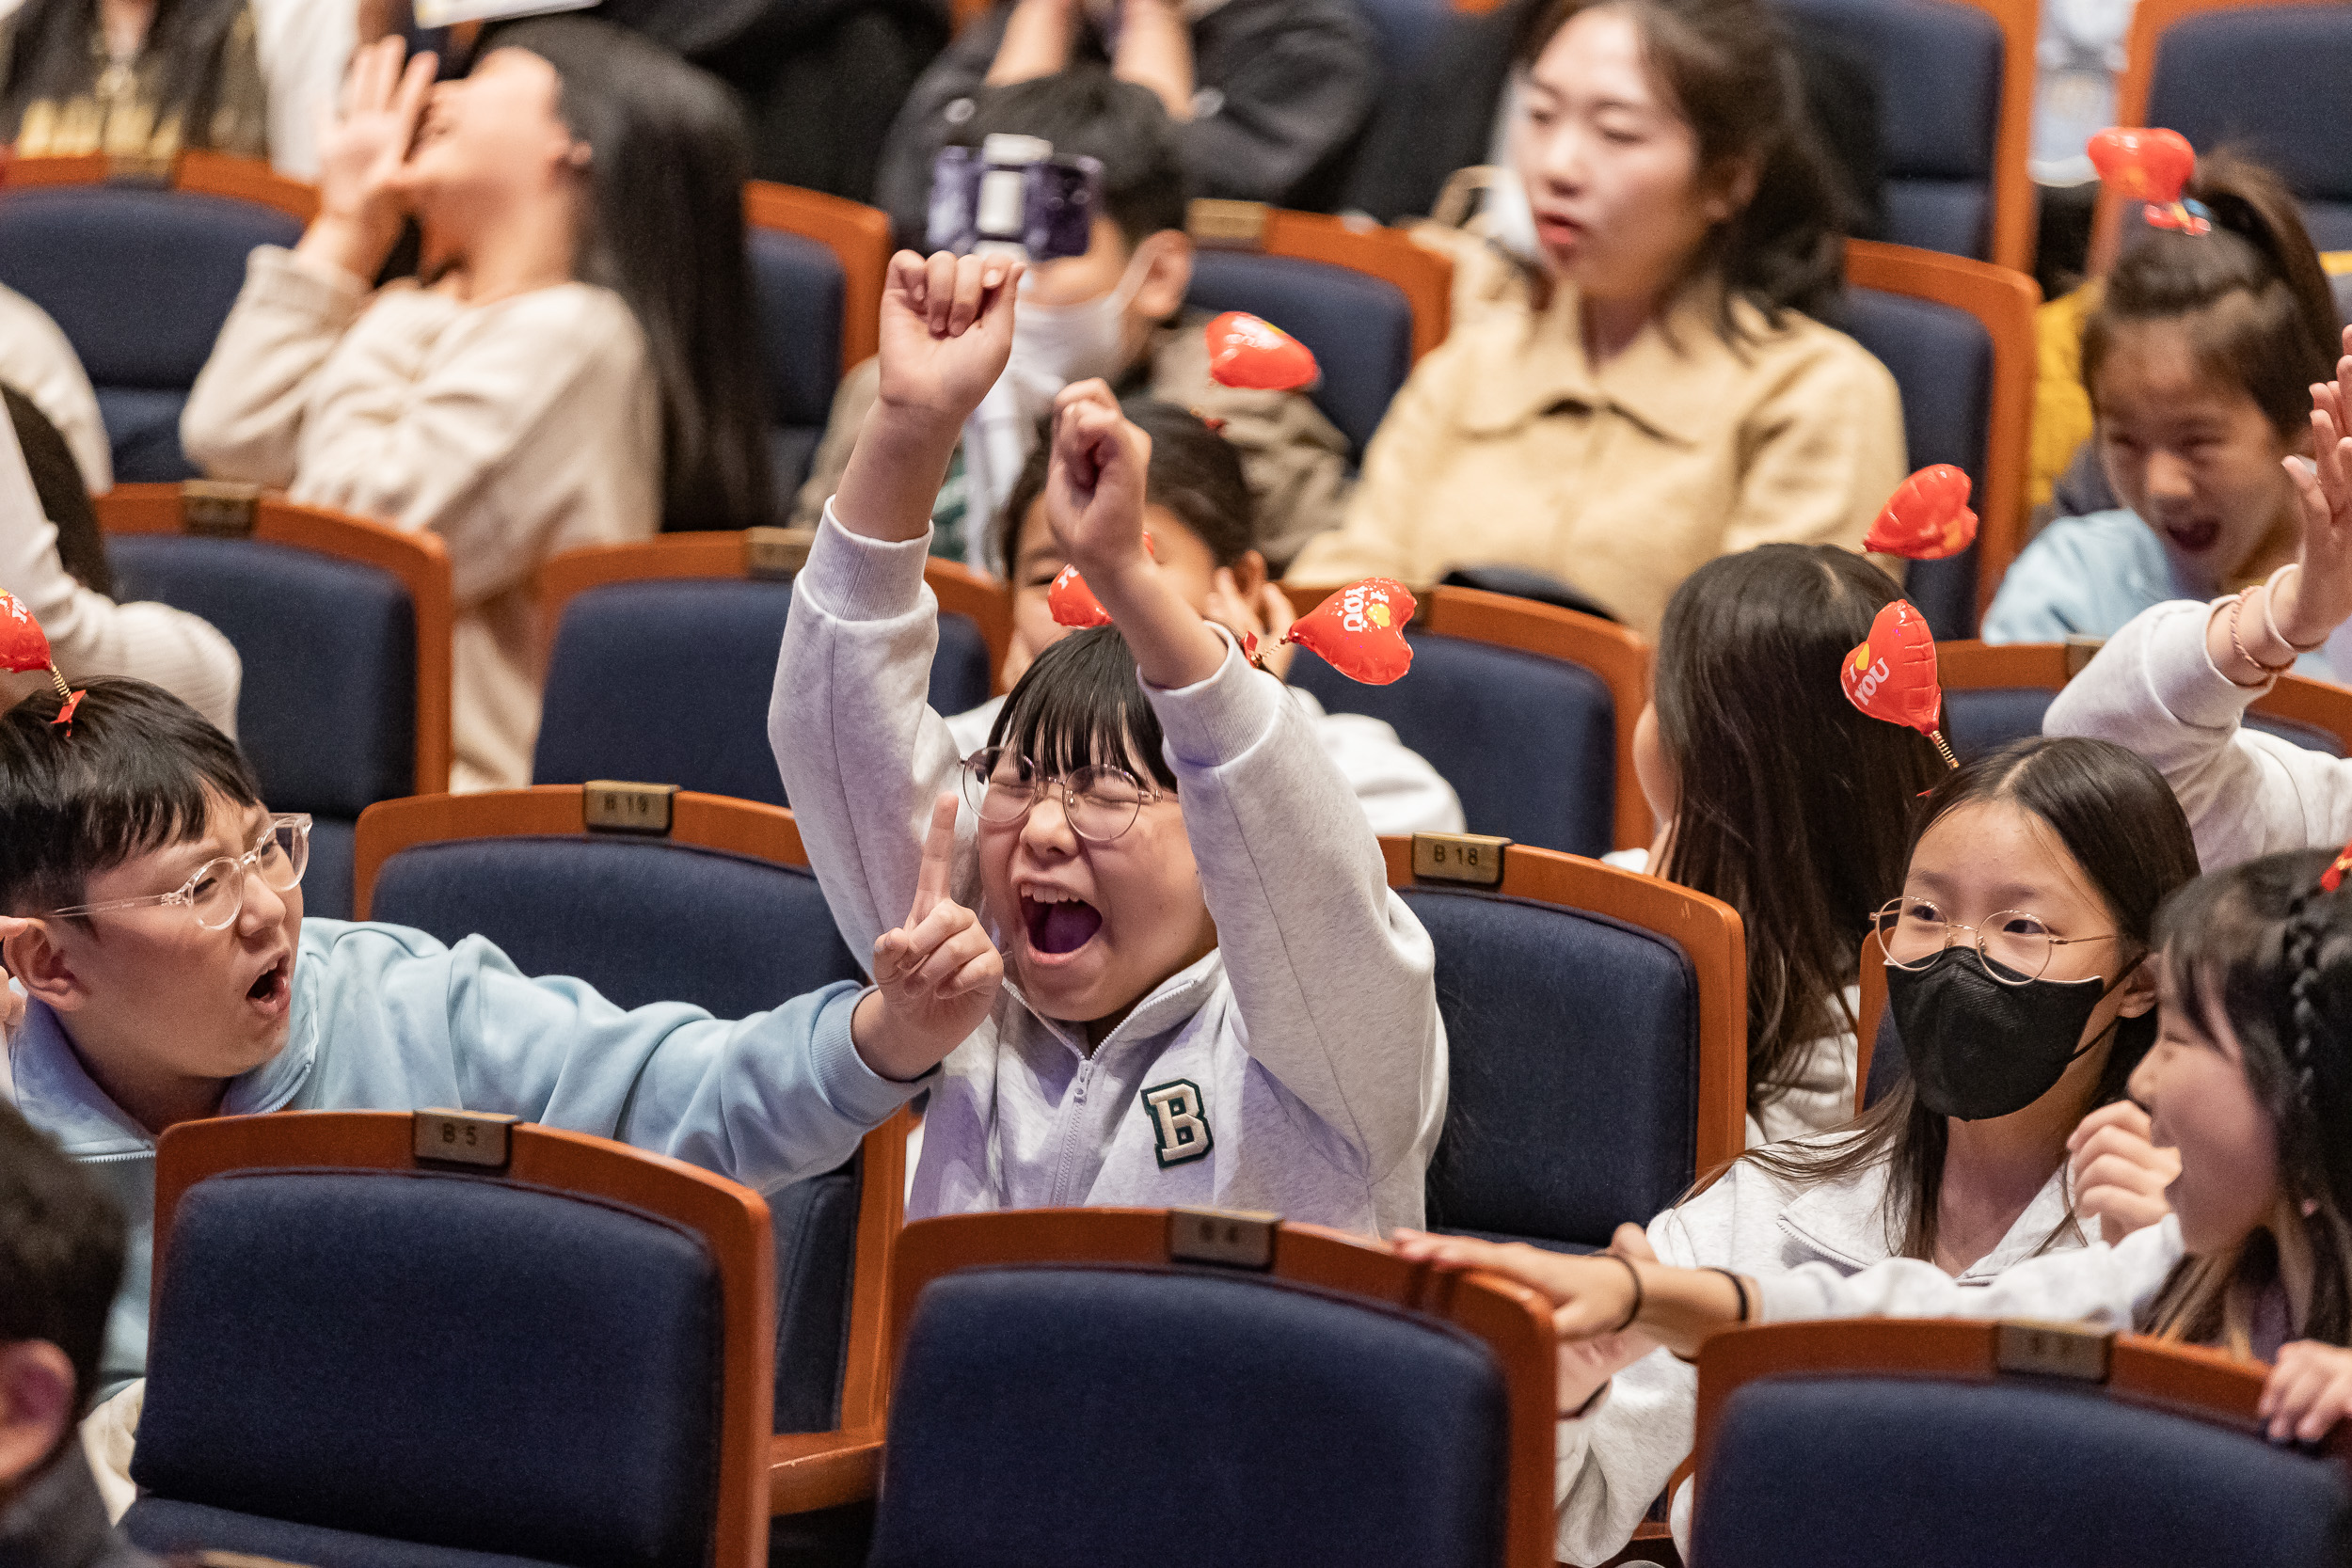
[{"x": 1059, "y": 196}]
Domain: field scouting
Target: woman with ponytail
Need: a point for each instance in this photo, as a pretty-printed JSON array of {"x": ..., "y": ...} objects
[{"x": 2198, "y": 358}]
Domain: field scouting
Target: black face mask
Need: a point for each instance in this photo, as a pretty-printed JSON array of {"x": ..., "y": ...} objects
[{"x": 1978, "y": 1049}]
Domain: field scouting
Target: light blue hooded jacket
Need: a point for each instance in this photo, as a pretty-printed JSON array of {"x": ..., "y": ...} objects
[{"x": 388, "y": 1019}]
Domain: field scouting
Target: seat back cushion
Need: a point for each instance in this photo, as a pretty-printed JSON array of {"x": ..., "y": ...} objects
[
  {"x": 800, "y": 288},
  {"x": 1529, "y": 743},
  {"x": 1360, "y": 327},
  {"x": 1941, "y": 1475},
  {"x": 328, "y": 713},
  {"x": 668, "y": 681},
  {"x": 815, "y": 1224},
  {"x": 1573, "y": 1105},
  {"x": 641, "y": 920},
  {"x": 2265, "y": 80},
  {"x": 1101, "y": 1416},
  {"x": 438, "y": 1359},
  {"x": 1988, "y": 718},
  {"x": 1942, "y": 360}
]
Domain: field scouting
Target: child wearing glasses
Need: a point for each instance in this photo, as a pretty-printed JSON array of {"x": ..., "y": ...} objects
[
  {"x": 1211, "y": 995},
  {"x": 2018, "y": 971},
  {"x": 151, "y": 906}
]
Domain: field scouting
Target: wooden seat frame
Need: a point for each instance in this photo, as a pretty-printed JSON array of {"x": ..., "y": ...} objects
[
  {"x": 1708, "y": 930},
  {"x": 1423, "y": 275},
  {"x": 418, "y": 560},
  {"x": 732, "y": 1220},
  {"x": 1514, "y": 1322},
  {"x": 196, "y": 171},
  {"x": 804, "y": 1471}
]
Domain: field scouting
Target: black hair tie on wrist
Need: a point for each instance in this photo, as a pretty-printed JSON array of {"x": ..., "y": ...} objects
[
  {"x": 1635, "y": 1275},
  {"x": 1736, "y": 1284}
]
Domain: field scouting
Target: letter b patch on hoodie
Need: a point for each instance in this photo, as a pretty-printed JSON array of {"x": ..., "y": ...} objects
[{"x": 1179, "y": 1124}]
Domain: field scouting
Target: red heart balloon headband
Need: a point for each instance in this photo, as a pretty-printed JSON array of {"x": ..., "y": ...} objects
[
  {"x": 24, "y": 646},
  {"x": 1359, "y": 630},
  {"x": 1891, "y": 676},
  {"x": 2153, "y": 166}
]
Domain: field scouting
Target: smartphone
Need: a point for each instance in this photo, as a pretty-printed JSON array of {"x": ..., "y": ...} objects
[{"x": 1012, "y": 194}]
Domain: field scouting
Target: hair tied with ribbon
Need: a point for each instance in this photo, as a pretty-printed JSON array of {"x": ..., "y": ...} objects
[
  {"x": 24, "y": 646},
  {"x": 1927, "y": 518},
  {"x": 2153, "y": 166},
  {"x": 1891, "y": 676}
]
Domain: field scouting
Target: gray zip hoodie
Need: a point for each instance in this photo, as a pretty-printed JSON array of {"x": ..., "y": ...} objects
[{"x": 1299, "y": 1068}]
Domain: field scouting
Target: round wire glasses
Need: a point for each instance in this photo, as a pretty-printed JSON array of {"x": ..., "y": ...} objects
[
  {"x": 2011, "y": 945},
  {"x": 215, "y": 894},
  {"x": 1101, "y": 800}
]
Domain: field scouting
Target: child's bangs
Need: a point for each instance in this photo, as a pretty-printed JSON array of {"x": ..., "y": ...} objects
[{"x": 1081, "y": 705}]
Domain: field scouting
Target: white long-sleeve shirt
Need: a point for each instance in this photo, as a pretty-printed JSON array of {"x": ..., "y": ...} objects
[
  {"x": 92, "y": 636},
  {"x": 1299, "y": 1067},
  {"x": 2154, "y": 689},
  {"x": 37, "y": 361},
  {"x": 513, "y": 430}
]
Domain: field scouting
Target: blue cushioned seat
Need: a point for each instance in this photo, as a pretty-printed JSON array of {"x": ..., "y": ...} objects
[
  {"x": 1360, "y": 327},
  {"x": 668, "y": 682},
  {"x": 1942, "y": 360},
  {"x": 641, "y": 920},
  {"x": 1573, "y": 1105},
  {"x": 328, "y": 712},
  {"x": 1988, "y": 718},
  {"x": 2272, "y": 82},
  {"x": 378, "y": 1354},
  {"x": 140, "y": 281},
  {"x": 1045, "y": 1416},
  {"x": 1846, "y": 1471},
  {"x": 800, "y": 288},
  {"x": 1940, "y": 125},
  {"x": 1529, "y": 743}
]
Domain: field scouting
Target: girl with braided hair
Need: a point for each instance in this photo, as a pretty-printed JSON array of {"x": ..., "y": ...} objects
[{"x": 2251, "y": 1081}]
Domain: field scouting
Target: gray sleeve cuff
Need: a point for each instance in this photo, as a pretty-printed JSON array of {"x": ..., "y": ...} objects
[
  {"x": 1217, "y": 719},
  {"x": 856, "y": 578},
  {"x": 848, "y": 1085}
]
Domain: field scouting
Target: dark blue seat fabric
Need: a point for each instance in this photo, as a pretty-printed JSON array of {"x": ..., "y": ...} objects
[
  {"x": 140, "y": 281},
  {"x": 815, "y": 1228},
  {"x": 328, "y": 713},
  {"x": 1940, "y": 125},
  {"x": 1360, "y": 327},
  {"x": 1988, "y": 718},
  {"x": 1843, "y": 1472},
  {"x": 379, "y": 1353},
  {"x": 1529, "y": 743},
  {"x": 2268, "y": 81},
  {"x": 668, "y": 682},
  {"x": 1942, "y": 360},
  {"x": 642, "y": 920},
  {"x": 1574, "y": 1044},
  {"x": 1104, "y": 1417},
  {"x": 800, "y": 289},
  {"x": 189, "y": 1529}
]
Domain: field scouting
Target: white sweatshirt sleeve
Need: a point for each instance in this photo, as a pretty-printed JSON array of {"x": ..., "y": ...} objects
[
  {"x": 92, "y": 636},
  {"x": 2154, "y": 689},
  {"x": 1334, "y": 976},
  {"x": 861, "y": 752},
  {"x": 2106, "y": 1287}
]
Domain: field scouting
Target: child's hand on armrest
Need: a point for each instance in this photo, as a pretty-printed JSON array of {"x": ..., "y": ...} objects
[
  {"x": 946, "y": 331},
  {"x": 1094, "y": 491},
  {"x": 935, "y": 977}
]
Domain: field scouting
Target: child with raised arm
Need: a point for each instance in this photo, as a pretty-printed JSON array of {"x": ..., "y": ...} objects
[
  {"x": 1211, "y": 996},
  {"x": 2174, "y": 684}
]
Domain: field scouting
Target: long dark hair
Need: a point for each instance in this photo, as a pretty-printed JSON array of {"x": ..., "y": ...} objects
[
  {"x": 2116, "y": 818},
  {"x": 1727, "y": 67},
  {"x": 2253, "y": 292},
  {"x": 664, "y": 230},
  {"x": 50, "y": 57},
  {"x": 1794, "y": 807},
  {"x": 2263, "y": 946}
]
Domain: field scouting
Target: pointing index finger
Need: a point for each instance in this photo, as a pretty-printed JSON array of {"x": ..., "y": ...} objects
[{"x": 939, "y": 854}]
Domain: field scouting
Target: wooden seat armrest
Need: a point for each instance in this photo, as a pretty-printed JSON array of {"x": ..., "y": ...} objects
[{"x": 809, "y": 1470}]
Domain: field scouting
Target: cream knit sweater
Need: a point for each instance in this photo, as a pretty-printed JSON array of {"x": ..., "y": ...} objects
[{"x": 513, "y": 430}]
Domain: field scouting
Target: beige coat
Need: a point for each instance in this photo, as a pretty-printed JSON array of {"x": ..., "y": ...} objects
[
  {"x": 513, "y": 430},
  {"x": 1294, "y": 459},
  {"x": 1507, "y": 447}
]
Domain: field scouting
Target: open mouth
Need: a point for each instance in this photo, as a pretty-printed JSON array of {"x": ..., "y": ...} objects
[
  {"x": 269, "y": 989},
  {"x": 1059, "y": 925},
  {"x": 2194, "y": 536}
]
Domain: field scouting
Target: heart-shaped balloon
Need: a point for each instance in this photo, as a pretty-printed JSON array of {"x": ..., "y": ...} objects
[
  {"x": 1891, "y": 675},
  {"x": 1246, "y": 351},
  {"x": 1359, "y": 631},
  {"x": 1927, "y": 516},
  {"x": 2150, "y": 164},
  {"x": 1073, "y": 603},
  {"x": 22, "y": 644}
]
